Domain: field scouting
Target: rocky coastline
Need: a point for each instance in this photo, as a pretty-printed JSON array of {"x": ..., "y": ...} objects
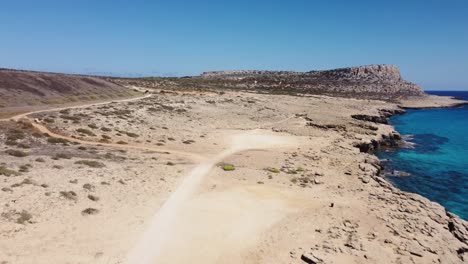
[{"x": 453, "y": 223}]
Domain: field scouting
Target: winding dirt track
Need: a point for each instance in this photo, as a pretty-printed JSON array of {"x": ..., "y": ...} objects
[
  {"x": 234, "y": 217},
  {"x": 43, "y": 129},
  {"x": 227, "y": 221}
]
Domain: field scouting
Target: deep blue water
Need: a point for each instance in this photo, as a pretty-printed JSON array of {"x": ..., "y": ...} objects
[{"x": 438, "y": 160}]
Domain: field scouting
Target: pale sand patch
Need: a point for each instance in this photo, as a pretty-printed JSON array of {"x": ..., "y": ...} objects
[
  {"x": 215, "y": 227},
  {"x": 161, "y": 228}
]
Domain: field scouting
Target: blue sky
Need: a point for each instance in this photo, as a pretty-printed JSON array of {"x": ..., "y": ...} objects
[{"x": 428, "y": 40}]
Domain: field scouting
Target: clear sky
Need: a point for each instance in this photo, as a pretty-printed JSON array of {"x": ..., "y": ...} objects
[{"x": 428, "y": 40}]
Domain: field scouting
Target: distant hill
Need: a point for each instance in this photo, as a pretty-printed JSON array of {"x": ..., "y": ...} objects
[
  {"x": 27, "y": 88},
  {"x": 373, "y": 82}
]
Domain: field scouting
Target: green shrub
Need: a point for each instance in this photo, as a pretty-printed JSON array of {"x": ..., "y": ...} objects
[{"x": 228, "y": 167}]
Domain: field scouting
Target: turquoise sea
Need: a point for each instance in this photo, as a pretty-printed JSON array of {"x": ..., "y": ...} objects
[{"x": 436, "y": 156}]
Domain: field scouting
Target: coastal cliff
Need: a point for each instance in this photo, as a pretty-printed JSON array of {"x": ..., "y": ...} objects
[
  {"x": 383, "y": 82},
  {"x": 373, "y": 81}
]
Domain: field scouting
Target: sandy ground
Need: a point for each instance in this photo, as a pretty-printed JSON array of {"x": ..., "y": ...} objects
[{"x": 142, "y": 181}]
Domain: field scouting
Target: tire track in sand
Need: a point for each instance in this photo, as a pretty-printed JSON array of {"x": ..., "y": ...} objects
[{"x": 157, "y": 239}]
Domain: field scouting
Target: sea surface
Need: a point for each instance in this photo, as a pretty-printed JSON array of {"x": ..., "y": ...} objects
[{"x": 436, "y": 156}]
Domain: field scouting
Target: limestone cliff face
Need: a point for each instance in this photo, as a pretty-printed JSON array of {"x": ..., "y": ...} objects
[
  {"x": 388, "y": 72},
  {"x": 383, "y": 72},
  {"x": 373, "y": 81}
]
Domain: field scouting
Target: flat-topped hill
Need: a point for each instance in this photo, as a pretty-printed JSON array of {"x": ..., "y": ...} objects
[
  {"x": 371, "y": 82},
  {"x": 26, "y": 88},
  {"x": 382, "y": 72}
]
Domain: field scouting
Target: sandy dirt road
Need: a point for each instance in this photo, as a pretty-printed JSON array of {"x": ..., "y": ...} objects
[
  {"x": 211, "y": 225},
  {"x": 43, "y": 129}
]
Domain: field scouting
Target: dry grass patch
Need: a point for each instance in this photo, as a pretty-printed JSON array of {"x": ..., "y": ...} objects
[
  {"x": 24, "y": 217},
  {"x": 40, "y": 160},
  {"x": 272, "y": 170},
  {"x": 61, "y": 156},
  {"x": 90, "y": 211},
  {"x": 58, "y": 141},
  {"x": 16, "y": 153},
  {"x": 7, "y": 172},
  {"x": 23, "y": 145},
  {"x": 93, "y": 126},
  {"x": 86, "y": 132},
  {"x": 25, "y": 168},
  {"x": 70, "y": 195},
  {"x": 133, "y": 135}
]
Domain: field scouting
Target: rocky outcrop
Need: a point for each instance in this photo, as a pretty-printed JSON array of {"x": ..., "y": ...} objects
[
  {"x": 383, "y": 82},
  {"x": 373, "y": 81},
  {"x": 381, "y": 72},
  {"x": 382, "y": 118},
  {"x": 373, "y": 119},
  {"x": 390, "y": 140}
]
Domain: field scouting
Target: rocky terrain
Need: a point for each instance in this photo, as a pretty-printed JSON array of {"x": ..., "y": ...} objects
[
  {"x": 370, "y": 82},
  {"x": 21, "y": 90},
  {"x": 272, "y": 178},
  {"x": 81, "y": 185}
]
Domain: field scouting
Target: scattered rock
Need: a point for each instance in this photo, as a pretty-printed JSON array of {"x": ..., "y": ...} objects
[
  {"x": 309, "y": 258},
  {"x": 93, "y": 198}
]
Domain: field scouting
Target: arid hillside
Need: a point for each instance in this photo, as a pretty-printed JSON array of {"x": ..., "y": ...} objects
[
  {"x": 27, "y": 88},
  {"x": 367, "y": 82}
]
